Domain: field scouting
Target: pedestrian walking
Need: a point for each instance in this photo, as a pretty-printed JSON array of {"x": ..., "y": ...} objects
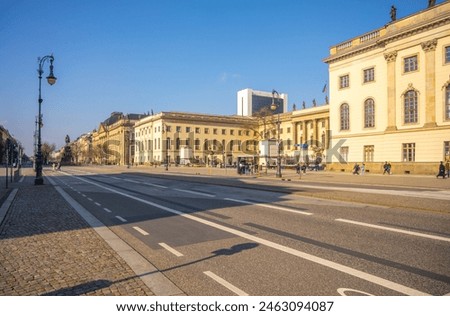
[
  {"x": 363, "y": 169},
  {"x": 447, "y": 168},
  {"x": 387, "y": 168},
  {"x": 441, "y": 171},
  {"x": 356, "y": 169}
]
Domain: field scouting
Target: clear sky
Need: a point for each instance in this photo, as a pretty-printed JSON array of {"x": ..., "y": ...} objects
[{"x": 174, "y": 55}]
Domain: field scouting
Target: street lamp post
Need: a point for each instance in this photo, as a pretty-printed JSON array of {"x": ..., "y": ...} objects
[
  {"x": 51, "y": 79},
  {"x": 273, "y": 107}
]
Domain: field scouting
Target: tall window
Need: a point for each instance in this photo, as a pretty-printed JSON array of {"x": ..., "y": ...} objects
[
  {"x": 410, "y": 64},
  {"x": 369, "y": 75},
  {"x": 369, "y": 113},
  {"x": 344, "y": 81},
  {"x": 345, "y": 117},
  {"x": 410, "y": 107},
  {"x": 447, "y": 54},
  {"x": 447, "y": 102},
  {"x": 447, "y": 149},
  {"x": 409, "y": 152},
  {"x": 368, "y": 153},
  {"x": 344, "y": 153}
]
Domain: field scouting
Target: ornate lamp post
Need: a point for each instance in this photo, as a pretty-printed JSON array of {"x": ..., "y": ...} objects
[
  {"x": 273, "y": 107},
  {"x": 51, "y": 79}
]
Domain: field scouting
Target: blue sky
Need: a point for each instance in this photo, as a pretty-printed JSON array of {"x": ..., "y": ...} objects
[{"x": 192, "y": 55}]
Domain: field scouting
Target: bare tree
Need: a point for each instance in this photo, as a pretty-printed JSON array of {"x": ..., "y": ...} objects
[{"x": 47, "y": 149}]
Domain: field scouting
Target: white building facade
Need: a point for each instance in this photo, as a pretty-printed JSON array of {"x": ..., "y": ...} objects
[{"x": 250, "y": 102}]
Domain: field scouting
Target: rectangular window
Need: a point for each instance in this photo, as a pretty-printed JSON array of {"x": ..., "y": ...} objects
[
  {"x": 447, "y": 102},
  {"x": 368, "y": 153},
  {"x": 231, "y": 131},
  {"x": 224, "y": 131},
  {"x": 344, "y": 153},
  {"x": 197, "y": 130},
  {"x": 447, "y": 150},
  {"x": 344, "y": 81},
  {"x": 410, "y": 64},
  {"x": 409, "y": 152},
  {"x": 206, "y": 130},
  {"x": 215, "y": 131},
  {"x": 188, "y": 129},
  {"x": 369, "y": 75},
  {"x": 197, "y": 144},
  {"x": 178, "y": 129},
  {"x": 447, "y": 55}
]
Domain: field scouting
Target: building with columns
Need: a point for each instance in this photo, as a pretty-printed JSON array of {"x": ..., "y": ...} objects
[
  {"x": 185, "y": 138},
  {"x": 390, "y": 95}
]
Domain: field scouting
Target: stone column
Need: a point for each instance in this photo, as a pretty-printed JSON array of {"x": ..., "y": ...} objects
[
  {"x": 391, "y": 110},
  {"x": 429, "y": 48}
]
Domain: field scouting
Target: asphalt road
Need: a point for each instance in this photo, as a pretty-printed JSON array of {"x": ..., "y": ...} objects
[{"x": 222, "y": 236}]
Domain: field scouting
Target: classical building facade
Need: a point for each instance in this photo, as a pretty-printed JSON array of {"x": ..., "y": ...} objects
[
  {"x": 113, "y": 141},
  {"x": 188, "y": 138},
  {"x": 185, "y": 138},
  {"x": 390, "y": 95}
]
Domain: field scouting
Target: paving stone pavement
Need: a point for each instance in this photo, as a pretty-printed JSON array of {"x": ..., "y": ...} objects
[{"x": 46, "y": 248}]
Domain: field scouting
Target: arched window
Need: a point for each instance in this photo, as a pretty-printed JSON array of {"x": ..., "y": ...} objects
[
  {"x": 369, "y": 113},
  {"x": 410, "y": 107},
  {"x": 345, "y": 117},
  {"x": 447, "y": 102}
]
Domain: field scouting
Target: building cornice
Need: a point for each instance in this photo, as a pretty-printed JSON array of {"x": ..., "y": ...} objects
[{"x": 391, "y": 33}]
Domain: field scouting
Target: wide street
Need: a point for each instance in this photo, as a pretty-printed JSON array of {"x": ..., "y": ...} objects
[{"x": 322, "y": 234}]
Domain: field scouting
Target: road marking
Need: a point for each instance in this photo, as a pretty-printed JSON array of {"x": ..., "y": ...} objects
[
  {"x": 280, "y": 208},
  {"x": 143, "y": 232},
  {"x": 133, "y": 181},
  {"x": 438, "y": 194},
  {"x": 21, "y": 179},
  {"x": 155, "y": 185},
  {"x": 225, "y": 283},
  {"x": 342, "y": 292},
  {"x": 83, "y": 195},
  {"x": 170, "y": 249},
  {"x": 98, "y": 204},
  {"x": 121, "y": 219},
  {"x": 90, "y": 199},
  {"x": 394, "y": 230},
  {"x": 107, "y": 210},
  {"x": 324, "y": 262},
  {"x": 195, "y": 192}
]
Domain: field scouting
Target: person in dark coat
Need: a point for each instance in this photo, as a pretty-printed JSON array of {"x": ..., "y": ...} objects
[{"x": 441, "y": 171}]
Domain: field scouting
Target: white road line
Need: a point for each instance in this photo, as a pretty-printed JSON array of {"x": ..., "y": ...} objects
[
  {"x": 170, "y": 249},
  {"x": 90, "y": 199},
  {"x": 225, "y": 283},
  {"x": 155, "y": 185},
  {"x": 393, "y": 230},
  {"x": 327, "y": 263},
  {"x": 280, "y": 208},
  {"x": 107, "y": 210},
  {"x": 133, "y": 181},
  {"x": 121, "y": 219},
  {"x": 83, "y": 195},
  {"x": 195, "y": 192},
  {"x": 140, "y": 230},
  {"x": 21, "y": 179},
  {"x": 98, "y": 204}
]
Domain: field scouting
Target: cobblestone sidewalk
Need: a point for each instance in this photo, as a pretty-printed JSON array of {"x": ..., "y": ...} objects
[{"x": 46, "y": 248}]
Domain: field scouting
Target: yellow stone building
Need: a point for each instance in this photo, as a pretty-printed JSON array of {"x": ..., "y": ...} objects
[
  {"x": 189, "y": 138},
  {"x": 390, "y": 95},
  {"x": 113, "y": 141}
]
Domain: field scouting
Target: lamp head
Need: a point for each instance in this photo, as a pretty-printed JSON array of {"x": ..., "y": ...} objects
[{"x": 51, "y": 79}]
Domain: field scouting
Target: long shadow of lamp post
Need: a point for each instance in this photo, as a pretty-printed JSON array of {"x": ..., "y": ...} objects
[
  {"x": 274, "y": 107},
  {"x": 51, "y": 79}
]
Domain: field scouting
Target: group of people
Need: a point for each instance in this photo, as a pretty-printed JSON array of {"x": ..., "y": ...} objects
[
  {"x": 357, "y": 169},
  {"x": 444, "y": 170}
]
